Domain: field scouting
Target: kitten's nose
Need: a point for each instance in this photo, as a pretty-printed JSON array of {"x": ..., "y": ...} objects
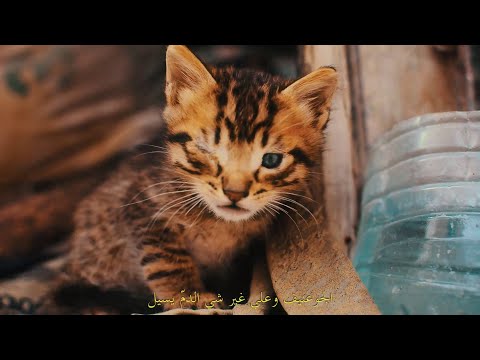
[
  {"x": 236, "y": 187},
  {"x": 235, "y": 196}
]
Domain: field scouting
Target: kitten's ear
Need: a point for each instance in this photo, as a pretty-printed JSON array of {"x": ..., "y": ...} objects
[
  {"x": 314, "y": 93},
  {"x": 184, "y": 72}
]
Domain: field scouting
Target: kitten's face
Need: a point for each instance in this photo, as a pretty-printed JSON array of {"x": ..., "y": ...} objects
[{"x": 244, "y": 141}]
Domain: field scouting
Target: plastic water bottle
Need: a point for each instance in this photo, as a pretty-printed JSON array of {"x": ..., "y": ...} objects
[{"x": 419, "y": 237}]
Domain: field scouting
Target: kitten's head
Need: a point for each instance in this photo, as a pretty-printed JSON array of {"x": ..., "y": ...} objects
[{"x": 244, "y": 140}]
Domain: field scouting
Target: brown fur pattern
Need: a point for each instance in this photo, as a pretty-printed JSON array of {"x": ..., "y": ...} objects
[{"x": 167, "y": 220}]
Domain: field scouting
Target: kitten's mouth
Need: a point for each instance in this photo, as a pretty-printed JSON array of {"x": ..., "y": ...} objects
[
  {"x": 233, "y": 212},
  {"x": 234, "y": 209}
]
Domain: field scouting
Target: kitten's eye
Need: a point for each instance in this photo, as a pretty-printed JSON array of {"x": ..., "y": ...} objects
[{"x": 271, "y": 161}]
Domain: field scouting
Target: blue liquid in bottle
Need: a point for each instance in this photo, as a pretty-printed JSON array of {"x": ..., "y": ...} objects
[{"x": 419, "y": 237}]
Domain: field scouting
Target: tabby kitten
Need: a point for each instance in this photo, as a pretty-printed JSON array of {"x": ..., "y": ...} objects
[{"x": 237, "y": 150}]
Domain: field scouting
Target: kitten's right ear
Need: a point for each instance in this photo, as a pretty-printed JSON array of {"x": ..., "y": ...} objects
[
  {"x": 184, "y": 72},
  {"x": 314, "y": 93}
]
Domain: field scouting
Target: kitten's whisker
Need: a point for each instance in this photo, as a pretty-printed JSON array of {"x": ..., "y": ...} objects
[
  {"x": 187, "y": 175},
  {"x": 152, "y": 152},
  {"x": 166, "y": 207},
  {"x": 276, "y": 212},
  {"x": 193, "y": 184},
  {"x": 155, "y": 196},
  {"x": 179, "y": 173},
  {"x": 291, "y": 208},
  {"x": 216, "y": 221},
  {"x": 267, "y": 212},
  {"x": 193, "y": 206},
  {"x": 201, "y": 212},
  {"x": 303, "y": 207},
  {"x": 289, "y": 193},
  {"x": 257, "y": 214},
  {"x": 172, "y": 204},
  {"x": 266, "y": 209},
  {"x": 159, "y": 183},
  {"x": 182, "y": 207},
  {"x": 175, "y": 181},
  {"x": 286, "y": 213},
  {"x": 155, "y": 146}
]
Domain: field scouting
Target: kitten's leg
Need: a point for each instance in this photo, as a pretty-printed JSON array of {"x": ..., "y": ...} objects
[
  {"x": 169, "y": 268},
  {"x": 261, "y": 282}
]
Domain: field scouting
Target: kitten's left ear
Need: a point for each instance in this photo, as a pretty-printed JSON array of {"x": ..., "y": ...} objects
[
  {"x": 184, "y": 72},
  {"x": 314, "y": 93}
]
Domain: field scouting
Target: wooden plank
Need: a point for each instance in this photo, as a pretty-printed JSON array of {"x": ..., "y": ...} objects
[
  {"x": 315, "y": 266},
  {"x": 379, "y": 86},
  {"x": 340, "y": 196},
  {"x": 402, "y": 81},
  {"x": 312, "y": 260}
]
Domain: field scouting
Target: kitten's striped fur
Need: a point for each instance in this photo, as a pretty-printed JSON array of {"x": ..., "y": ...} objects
[{"x": 162, "y": 223}]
